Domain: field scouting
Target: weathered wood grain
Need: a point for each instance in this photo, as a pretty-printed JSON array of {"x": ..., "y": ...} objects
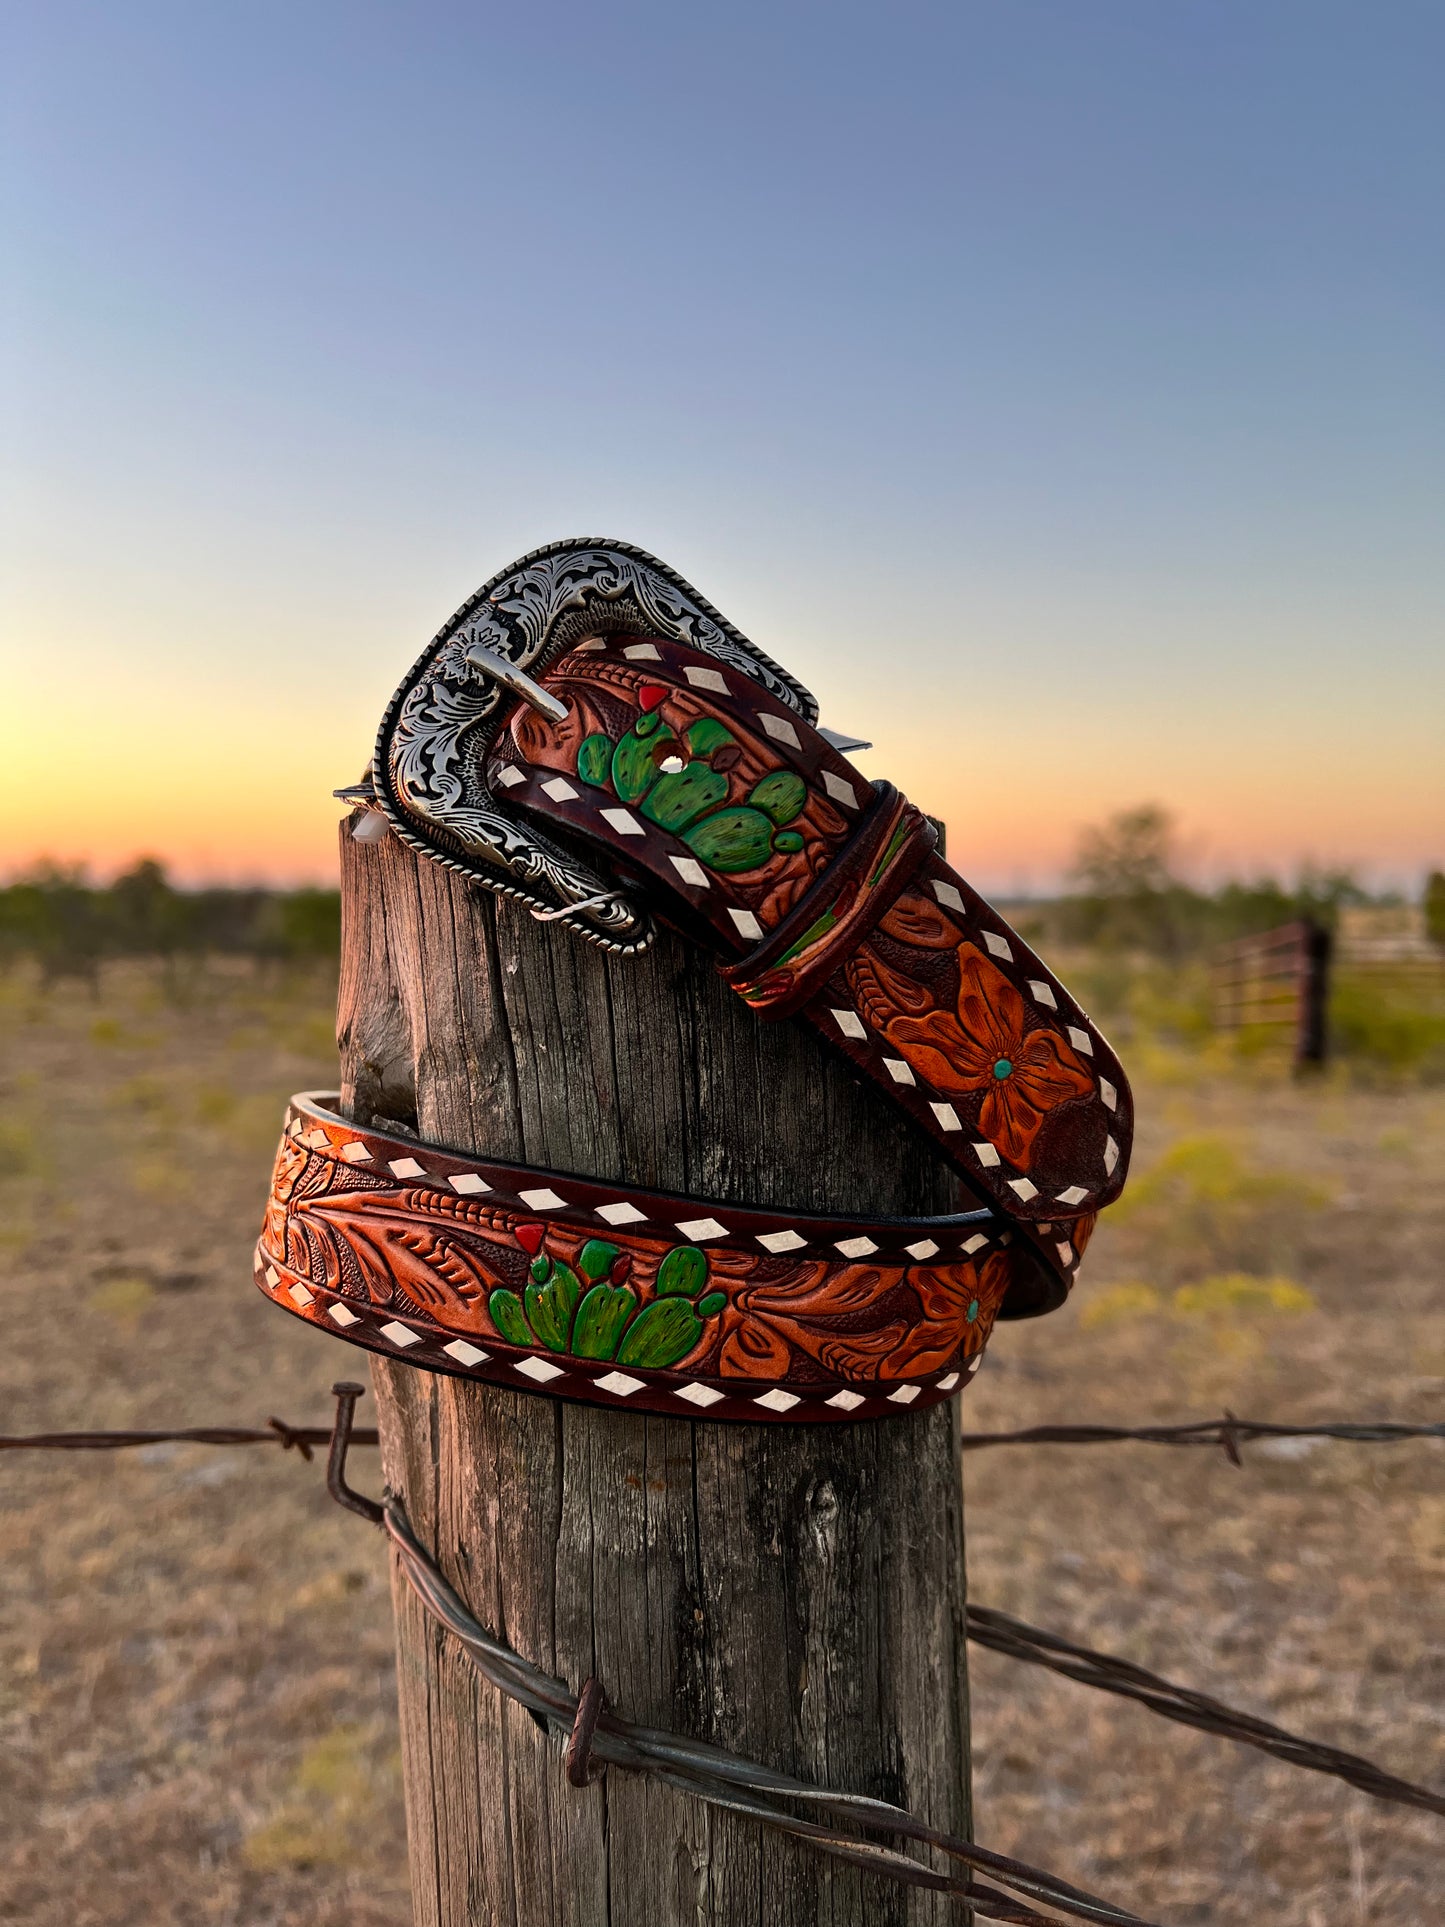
[{"x": 796, "y": 1594}]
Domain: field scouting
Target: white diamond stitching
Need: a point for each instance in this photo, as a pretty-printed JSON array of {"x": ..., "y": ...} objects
[
  {"x": 619, "y": 1384},
  {"x": 778, "y": 1400},
  {"x": 698, "y": 1229},
  {"x": 780, "y": 729},
  {"x": 542, "y": 1200},
  {"x": 540, "y": 1369},
  {"x": 699, "y": 1394},
  {"x": 781, "y": 1241},
  {"x": 623, "y": 1212}
]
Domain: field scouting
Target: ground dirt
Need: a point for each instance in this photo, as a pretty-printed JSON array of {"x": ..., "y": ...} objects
[{"x": 197, "y": 1718}]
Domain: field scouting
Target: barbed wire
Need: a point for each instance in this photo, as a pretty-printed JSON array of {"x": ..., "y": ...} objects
[
  {"x": 985, "y": 1625},
  {"x": 1004, "y": 1634},
  {"x": 594, "y": 1734},
  {"x": 301, "y": 1438},
  {"x": 1229, "y": 1433},
  {"x": 723, "y": 1779}
]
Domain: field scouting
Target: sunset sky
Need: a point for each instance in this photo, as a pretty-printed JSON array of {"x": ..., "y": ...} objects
[{"x": 1058, "y": 390}]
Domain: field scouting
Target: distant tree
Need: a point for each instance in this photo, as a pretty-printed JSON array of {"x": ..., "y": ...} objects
[
  {"x": 147, "y": 917},
  {"x": 53, "y": 915},
  {"x": 1129, "y": 856},
  {"x": 1128, "y": 894},
  {"x": 1435, "y": 907},
  {"x": 69, "y": 925}
]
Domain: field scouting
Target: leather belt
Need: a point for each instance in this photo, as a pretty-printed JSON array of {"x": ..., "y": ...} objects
[
  {"x": 621, "y": 1296},
  {"x": 587, "y": 734}
]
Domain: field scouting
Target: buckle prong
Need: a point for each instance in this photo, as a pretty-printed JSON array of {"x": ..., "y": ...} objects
[{"x": 518, "y": 681}]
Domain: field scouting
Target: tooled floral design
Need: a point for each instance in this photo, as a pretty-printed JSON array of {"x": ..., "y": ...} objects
[
  {"x": 987, "y": 1046},
  {"x": 961, "y": 1299},
  {"x": 433, "y": 1250},
  {"x": 767, "y": 1321},
  {"x": 916, "y": 920},
  {"x": 812, "y": 1309}
]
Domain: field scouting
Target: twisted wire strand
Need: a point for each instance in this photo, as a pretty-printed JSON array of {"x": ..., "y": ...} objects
[
  {"x": 1004, "y": 1634},
  {"x": 721, "y": 1779},
  {"x": 1222, "y": 1432},
  {"x": 1226, "y": 1432},
  {"x": 275, "y": 1432}
]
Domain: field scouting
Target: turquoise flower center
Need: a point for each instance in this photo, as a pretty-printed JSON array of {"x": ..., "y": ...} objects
[
  {"x": 972, "y": 1311},
  {"x": 1002, "y": 1068}
]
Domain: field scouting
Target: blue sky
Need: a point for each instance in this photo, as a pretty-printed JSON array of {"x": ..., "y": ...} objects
[{"x": 1058, "y": 389}]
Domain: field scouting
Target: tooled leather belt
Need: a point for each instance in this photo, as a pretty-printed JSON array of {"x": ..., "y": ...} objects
[{"x": 588, "y": 735}]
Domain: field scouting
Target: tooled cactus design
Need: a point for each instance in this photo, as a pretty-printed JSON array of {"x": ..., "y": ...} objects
[
  {"x": 681, "y": 784},
  {"x": 592, "y": 1312}
]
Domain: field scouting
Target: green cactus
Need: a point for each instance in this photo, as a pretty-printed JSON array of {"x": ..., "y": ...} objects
[
  {"x": 732, "y": 840},
  {"x": 509, "y": 1318},
  {"x": 691, "y": 802},
  {"x": 708, "y": 734},
  {"x": 661, "y": 1334},
  {"x": 780, "y": 796},
  {"x": 596, "y": 1259},
  {"x": 594, "y": 760},
  {"x": 635, "y": 759},
  {"x": 680, "y": 797},
  {"x": 550, "y": 1306},
  {"x": 603, "y": 1321},
  {"x": 682, "y": 1273}
]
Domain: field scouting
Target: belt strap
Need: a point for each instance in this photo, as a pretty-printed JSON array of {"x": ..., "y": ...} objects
[
  {"x": 616, "y": 1295},
  {"x": 826, "y": 896}
]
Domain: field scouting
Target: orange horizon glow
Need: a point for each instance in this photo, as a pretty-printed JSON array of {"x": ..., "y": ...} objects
[
  {"x": 248, "y": 802},
  {"x": 186, "y": 739}
]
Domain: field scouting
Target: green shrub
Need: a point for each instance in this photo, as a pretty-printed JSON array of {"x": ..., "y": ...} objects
[
  {"x": 70, "y": 926},
  {"x": 1389, "y": 1022}
]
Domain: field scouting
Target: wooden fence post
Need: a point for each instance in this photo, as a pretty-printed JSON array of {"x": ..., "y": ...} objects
[{"x": 793, "y": 1592}]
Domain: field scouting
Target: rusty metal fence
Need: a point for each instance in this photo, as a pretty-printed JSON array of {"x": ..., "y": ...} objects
[{"x": 1277, "y": 984}]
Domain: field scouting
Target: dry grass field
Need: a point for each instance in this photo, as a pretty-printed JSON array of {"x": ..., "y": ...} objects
[{"x": 196, "y": 1707}]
